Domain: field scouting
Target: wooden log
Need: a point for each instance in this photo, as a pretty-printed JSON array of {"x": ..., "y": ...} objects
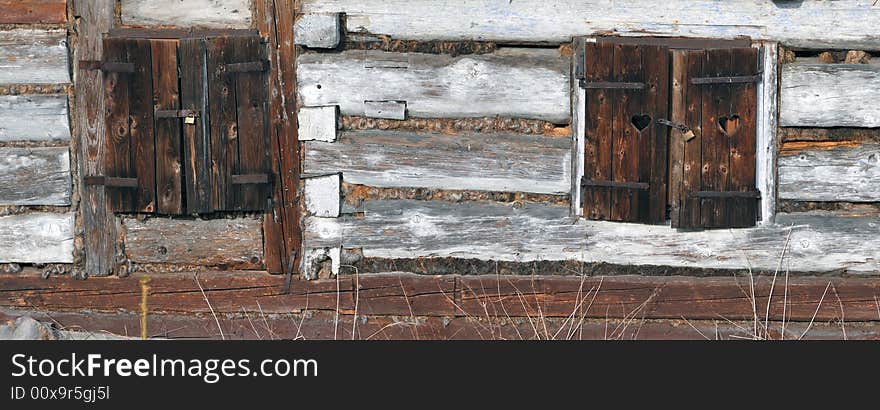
[
  {"x": 318, "y": 30},
  {"x": 768, "y": 140},
  {"x": 35, "y": 176},
  {"x": 487, "y": 162},
  {"x": 33, "y": 11},
  {"x": 522, "y": 83},
  {"x": 830, "y": 172},
  {"x": 487, "y": 297},
  {"x": 38, "y": 237},
  {"x": 322, "y": 195},
  {"x": 33, "y": 56},
  {"x": 252, "y": 325},
  {"x": 829, "y": 95},
  {"x": 99, "y": 225},
  {"x": 518, "y": 21},
  {"x": 817, "y": 241},
  {"x": 191, "y": 13},
  {"x": 34, "y": 118},
  {"x": 234, "y": 243}
]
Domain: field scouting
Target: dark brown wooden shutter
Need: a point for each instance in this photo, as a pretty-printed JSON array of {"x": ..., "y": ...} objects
[
  {"x": 130, "y": 152},
  {"x": 625, "y": 148},
  {"x": 716, "y": 99}
]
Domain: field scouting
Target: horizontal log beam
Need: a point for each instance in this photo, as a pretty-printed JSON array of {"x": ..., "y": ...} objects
[
  {"x": 829, "y": 95},
  {"x": 33, "y": 11},
  {"x": 38, "y": 237},
  {"x": 33, "y": 56},
  {"x": 518, "y": 83},
  {"x": 202, "y": 13},
  {"x": 34, "y": 117},
  {"x": 818, "y": 299},
  {"x": 808, "y": 242},
  {"x": 830, "y": 171},
  {"x": 35, "y": 176},
  {"x": 486, "y": 162}
]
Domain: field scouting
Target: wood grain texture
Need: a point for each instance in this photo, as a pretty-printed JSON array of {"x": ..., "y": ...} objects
[
  {"x": 492, "y": 296},
  {"x": 190, "y": 13},
  {"x": 169, "y": 166},
  {"x": 35, "y": 176},
  {"x": 37, "y": 237},
  {"x": 34, "y": 118},
  {"x": 559, "y": 20},
  {"x": 767, "y": 137},
  {"x": 521, "y": 83},
  {"x": 33, "y": 56},
  {"x": 236, "y": 243},
  {"x": 829, "y": 95},
  {"x": 33, "y": 11},
  {"x": 318, "y": 30},
  {"x": 819, "y": 241},
  {"x": 488, "y": 162},
  {"x": 847, "y": 172}
]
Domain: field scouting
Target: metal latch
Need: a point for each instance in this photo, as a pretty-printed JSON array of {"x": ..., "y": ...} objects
[{"x": 686, "y": 132}]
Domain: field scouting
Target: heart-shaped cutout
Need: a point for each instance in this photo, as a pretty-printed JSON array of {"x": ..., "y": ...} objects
[
  {"x": 641, "y": 121},
  {"x": 729, "y": 126}
]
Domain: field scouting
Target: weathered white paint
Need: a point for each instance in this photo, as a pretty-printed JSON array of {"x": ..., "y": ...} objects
[
  {"x": 830, "y": 95},
  {"x": 318, "y": 30},
  {"x": 768, "y": 108},
  {"x": 810, "y": 23},
  {"x": 189, "y": 13},
  {"x": 33, "y": 56},
  {"x": 35, "y": 176},
  {"x": 34, "y": 118},
  {"x": 846, "y": 173},
  {"x": 580, "y": 110},
  {"x": 322, "y": 195},
  {"x": 318, "y": 123},
  {"x": 483, "y": 162},
  {"x": 38, "y": 237},
  {"x": 392, "y": 110},
  {"x": 313, "y": 257},
  {"x": 523, "y": 83},
  {"x": 819, "y": 242}
]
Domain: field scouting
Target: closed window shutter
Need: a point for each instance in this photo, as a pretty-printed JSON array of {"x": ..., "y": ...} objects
[
  {"x": 625, "y": 147},
  {"x": 130, "y": 152},
  {"x": 718, "y": 100}
]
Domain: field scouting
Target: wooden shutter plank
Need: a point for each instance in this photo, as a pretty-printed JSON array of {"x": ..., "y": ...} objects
[
  {"x": 716, "y": 151},
  {"x": 677, "y": 143},
  {"x": 743, "y": 144},
  {"x": 625, "y": 149},
  {"x": 689, "y": 215},
  {"x": 143, "y": 143},
  {"x": 118, "y": 136},
  {"x": 597, "y": 154},
  {"x": 251, "y": 98},
  {"x": 195, "y": 136},
  {"x": 652, "y": 161},
  {"x": 169, "y": 180},
  {"x": 224, "y": 126}
]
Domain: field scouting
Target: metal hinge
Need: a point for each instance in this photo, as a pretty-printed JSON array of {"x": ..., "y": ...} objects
[
  {"x": 115, "y": 182},
  {"x": 107, "y": 67}
]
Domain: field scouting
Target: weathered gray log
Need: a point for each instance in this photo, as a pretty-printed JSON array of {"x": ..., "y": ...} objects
[
  {"x": 830, "y": 95},
  {"x": 234, "y": 243},
  {"x": 189, "y": 13},
  {"x": 318, "y": 30},
  {"x": 524, "y": 83},
  {"x": 33, "y": 56},
  {"x": 832, "y": 24},
  {"x": 845, "y": 173},
  {"x": 819, "y": 242},
  {"x": 38, "y": 237},
  {"x": 34, "y": 118},
  {"x": 483, "y": 162},
  {"x": 35, "y": 176}
]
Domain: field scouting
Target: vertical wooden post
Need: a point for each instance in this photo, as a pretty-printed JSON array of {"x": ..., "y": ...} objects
[
  {"x": 281, "y": 227},
  {"x": 93, "y": 19}
]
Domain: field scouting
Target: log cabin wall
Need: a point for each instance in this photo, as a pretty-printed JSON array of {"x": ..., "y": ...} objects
[{"x": 445, "y": 140}]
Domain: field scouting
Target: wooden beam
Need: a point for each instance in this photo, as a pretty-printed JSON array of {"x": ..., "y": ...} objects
[
  {"x": 202, "y": 13},
  {"x": 33, "y": 11},
  {"x": 829, "y": 95},
  {"x": 830, "y": 172},
  {"x": 767, "y": 138},
  {"x": 35, "y": 176},
  {"x": 235, "y": 243},
  {"x": 487, "y": 162},
  {"x": 520, "y": 83},
  {"x": 807, "y": 242},
  {"x": 319, "y": 30},
  {"x": 38, "y": 237},
  {"x": 518, "y": 21},
  {"x": 33, "y": 56},
  {"x": 99, "y": 226},
  {"x": 805, "y": 299},
  {"x": 34, "y": 118}
]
